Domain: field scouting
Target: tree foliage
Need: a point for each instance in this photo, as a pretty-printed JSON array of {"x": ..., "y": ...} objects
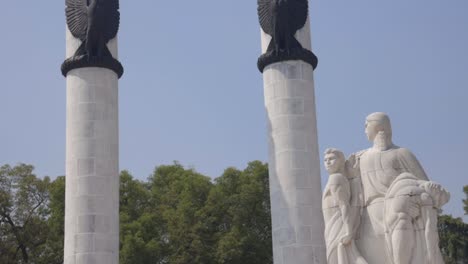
[
  {"x": 175, "y": 216},
  {"x": 55, "y": 222},
  {"x": 238, "y": 210},
  {"x": 453, "y": 234},
  {"x": 186, "y": 218},
  {"x": 24, "y": 209}
]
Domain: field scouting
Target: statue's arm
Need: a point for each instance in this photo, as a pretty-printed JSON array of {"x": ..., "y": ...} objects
[{"x": 411, "y": 163}]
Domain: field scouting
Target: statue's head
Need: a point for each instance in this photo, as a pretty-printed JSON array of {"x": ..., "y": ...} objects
[
  {"x": 378, "y": 124},
  {"x": 334, "y": 160}
]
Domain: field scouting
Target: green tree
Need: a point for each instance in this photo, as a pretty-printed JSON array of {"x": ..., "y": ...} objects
[
  {"x": 53, "y": 248},
  {"x": 180, "y": 216},
  {"x": 140, "y": 224},
  {"x": 179, "y": 195},
  {"x": 160, "y": 220},
  {"x": 239, "y": 213},
  {"x": 453, "y": 234},
  {"x": 23, "y": 214}
]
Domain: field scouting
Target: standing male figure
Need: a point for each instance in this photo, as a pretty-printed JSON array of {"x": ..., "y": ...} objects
[
  {"x": 378, "y": 167},
  {"x": 340, "y": 212}
]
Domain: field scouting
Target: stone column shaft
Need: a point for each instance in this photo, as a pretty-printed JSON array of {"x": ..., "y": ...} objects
[
  {"x": 294, "y": 163},
  {"x": 92, "y": 164}
]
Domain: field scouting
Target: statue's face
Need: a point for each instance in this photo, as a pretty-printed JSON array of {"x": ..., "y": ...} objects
[
  {"x": 332, "y": 163},
  {"x": 372, "y": 128}
]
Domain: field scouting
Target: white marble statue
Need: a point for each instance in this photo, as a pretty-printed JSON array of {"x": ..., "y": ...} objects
[
  {"x": 411, "y": 207},
  {"x": 341, "y": 211},
  {"x": 380, "y": 168}
]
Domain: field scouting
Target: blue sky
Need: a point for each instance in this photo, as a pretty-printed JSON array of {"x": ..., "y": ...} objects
[{"x": 191, "y": 91}]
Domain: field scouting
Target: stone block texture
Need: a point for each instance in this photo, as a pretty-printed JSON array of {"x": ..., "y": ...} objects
[
  {"x": 294, "y": 163},
  {"x": 92, "y": 167}
]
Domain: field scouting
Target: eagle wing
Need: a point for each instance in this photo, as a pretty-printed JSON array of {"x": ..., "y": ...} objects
[
  {"x": 265, "y": 14},
  {"x": 111, "y": 23},
  {"x": 298, "y": 12},
  {"x": 77, "y": 18}
]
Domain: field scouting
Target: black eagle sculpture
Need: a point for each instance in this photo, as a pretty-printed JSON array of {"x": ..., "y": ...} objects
[
  {"x": 95, "y": 23},
  {"x": 281, "y": 19}
]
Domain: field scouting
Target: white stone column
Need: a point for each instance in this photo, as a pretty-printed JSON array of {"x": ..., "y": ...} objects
[
  {"x": 92, "y": 164},
  {"x": 294, "y": 163}
]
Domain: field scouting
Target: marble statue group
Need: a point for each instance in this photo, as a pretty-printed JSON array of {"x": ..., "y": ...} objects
[{"x": 379, "y": 205}]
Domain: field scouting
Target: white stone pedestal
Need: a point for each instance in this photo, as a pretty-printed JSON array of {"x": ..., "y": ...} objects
[
  {"x": 294, "y": 163},
  {"x": 92, "y": 165}
]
